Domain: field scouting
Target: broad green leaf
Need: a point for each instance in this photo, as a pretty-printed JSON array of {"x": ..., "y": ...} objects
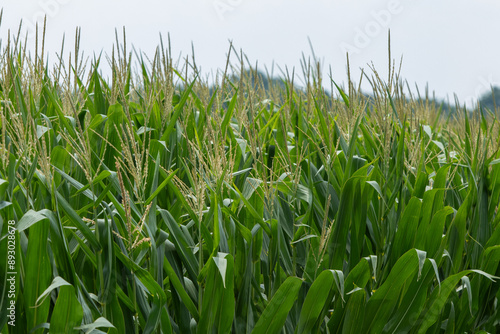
[
  {"x": 355, "y": 310},
  {"x": 38, "y": 274},
  {"x": 218, "y": 299},
  {"x": 56, "y": 283},
  {"x": 67, "y": 313},
  {"x": 317, "y": 299},
  {"x": 98, "y": 323},
  {"x": 28, "y": 219},
  {"x": 274, "y": 316},
  {"x": 438, "y": 298},
  {"x": 383, "y": 301}
]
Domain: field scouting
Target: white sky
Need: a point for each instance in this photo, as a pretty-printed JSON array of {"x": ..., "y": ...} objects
[{"x": 450, "y": 45}]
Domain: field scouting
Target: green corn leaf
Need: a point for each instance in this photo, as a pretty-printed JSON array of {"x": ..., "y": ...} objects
[
  {"x": 38, "y": 273},
  {"x": 68, "y": 313},
  {"x": 317, "y": 299},
  {"x": 355, "y": 310},
  {"x": 383, "y": 301},
  {"x": 98, "y": 323},
  {"x": 274, "y": 316},
  {"x": 438, "y": 298}
]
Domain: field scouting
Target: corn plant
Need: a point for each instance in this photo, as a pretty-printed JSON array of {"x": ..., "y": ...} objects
[{"x": 161, "y": 202}]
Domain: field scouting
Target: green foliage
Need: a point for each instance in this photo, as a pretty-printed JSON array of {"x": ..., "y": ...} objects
[{"x": 158, "y": 203}]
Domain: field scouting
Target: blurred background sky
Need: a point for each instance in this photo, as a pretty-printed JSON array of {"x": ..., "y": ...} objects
[{"x": 450, "y": 45}]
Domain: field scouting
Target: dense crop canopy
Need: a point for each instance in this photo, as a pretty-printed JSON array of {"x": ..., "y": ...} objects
[{"x": 155, "y": 202}]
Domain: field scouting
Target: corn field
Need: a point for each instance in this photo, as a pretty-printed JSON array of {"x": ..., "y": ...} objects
[{"x": 159, "y": 200}]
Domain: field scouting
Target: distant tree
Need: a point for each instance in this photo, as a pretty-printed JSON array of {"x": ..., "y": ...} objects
[{"x": 491, "y": 99}]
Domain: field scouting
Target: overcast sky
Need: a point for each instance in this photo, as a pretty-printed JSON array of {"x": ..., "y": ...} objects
[{"x": 450, "y": 45}]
